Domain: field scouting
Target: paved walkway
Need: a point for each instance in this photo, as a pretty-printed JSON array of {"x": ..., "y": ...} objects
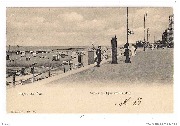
[{"x": 151, "y": 66}]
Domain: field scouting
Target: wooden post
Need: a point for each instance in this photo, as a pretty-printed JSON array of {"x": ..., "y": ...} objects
[
  {"x": 14, "y": 78},
  {"x": 114, "y": 50}
]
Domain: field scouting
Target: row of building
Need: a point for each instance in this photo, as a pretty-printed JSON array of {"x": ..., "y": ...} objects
[{"x": 168, "y": 34}]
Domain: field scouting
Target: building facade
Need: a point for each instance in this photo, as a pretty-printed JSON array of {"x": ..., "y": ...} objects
[{"x": 168, "y": 34}]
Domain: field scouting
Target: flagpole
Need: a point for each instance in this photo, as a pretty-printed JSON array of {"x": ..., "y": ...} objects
[
  {"x": 127, "y": 25},
  {"x": 145, "y": 30},
  {"x": 144, "y": 27},
  {"x": 127, "y": 44}
]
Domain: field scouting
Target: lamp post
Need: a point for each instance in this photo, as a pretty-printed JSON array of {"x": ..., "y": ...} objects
[
  {"x": 145, "y": 16},
  {"x": 127, "y": 43}
]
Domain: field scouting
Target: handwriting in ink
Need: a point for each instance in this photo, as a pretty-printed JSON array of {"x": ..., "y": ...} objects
[
  {"x": 134, "y": 103},
  {"x": 138, "y": 101},
  {"x": 124, "y": 102}
]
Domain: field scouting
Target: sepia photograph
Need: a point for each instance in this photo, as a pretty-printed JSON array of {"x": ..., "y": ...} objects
[{"x": 89, "y": 60}]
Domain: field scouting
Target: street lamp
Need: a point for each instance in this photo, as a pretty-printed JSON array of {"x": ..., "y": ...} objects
[{"x": 126, "y": 46}]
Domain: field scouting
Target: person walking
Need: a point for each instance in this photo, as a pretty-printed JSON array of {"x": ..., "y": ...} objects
[{"x": 98, "y": 54}]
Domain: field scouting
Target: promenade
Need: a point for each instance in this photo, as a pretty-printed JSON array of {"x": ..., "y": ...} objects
[
  {"x": 151, "y": 66},
  {"x": 149, "y": 79}
]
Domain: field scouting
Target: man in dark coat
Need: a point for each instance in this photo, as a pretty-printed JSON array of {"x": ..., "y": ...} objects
[{"x": 98, "y": 53}]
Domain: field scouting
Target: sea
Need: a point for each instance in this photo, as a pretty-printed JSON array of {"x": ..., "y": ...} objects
[{"x": 42, "y": 48}]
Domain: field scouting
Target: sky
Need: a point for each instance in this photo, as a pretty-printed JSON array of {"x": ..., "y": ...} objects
[{"x": 82, "y": 26}]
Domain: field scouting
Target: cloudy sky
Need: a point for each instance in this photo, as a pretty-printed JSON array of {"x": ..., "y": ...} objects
[{"x": 81, "y": 26}]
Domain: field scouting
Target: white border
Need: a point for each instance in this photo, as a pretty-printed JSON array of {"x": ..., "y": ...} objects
[
  {"x": 88, "y": 3},
  {"x": 88, "y": 119}
]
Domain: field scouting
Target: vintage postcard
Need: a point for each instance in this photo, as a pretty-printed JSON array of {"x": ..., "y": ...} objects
[
  {"x": 89, "y": 59},
  {"x": 107, "y": 61}
]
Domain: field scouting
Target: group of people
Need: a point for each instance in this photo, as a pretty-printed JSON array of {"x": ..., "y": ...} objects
[{"x": 98, "y": 59}]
